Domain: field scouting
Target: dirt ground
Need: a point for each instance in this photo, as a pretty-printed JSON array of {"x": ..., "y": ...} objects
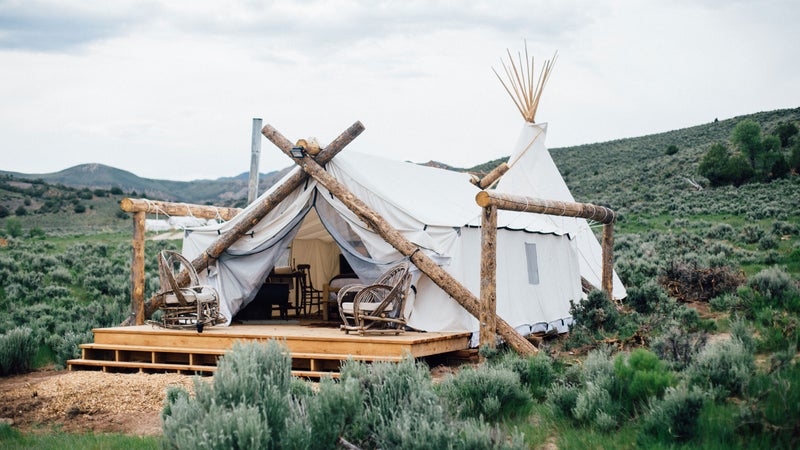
[{"x": 87, "y": 401}]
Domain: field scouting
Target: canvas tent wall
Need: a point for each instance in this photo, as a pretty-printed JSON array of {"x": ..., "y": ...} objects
[
  {"x": 533, "y": 173},
  {"x": 433, "y": 209}
]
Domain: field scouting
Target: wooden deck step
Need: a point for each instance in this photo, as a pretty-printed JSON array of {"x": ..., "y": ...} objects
[
  {"x": 315, "y": 351},
  {"x": 113, "y": 366},
  {"x": 198, "y": 360},
  {"x": 140, "y": 365}
]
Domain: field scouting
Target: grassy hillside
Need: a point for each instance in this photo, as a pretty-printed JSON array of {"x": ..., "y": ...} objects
[
  {"x": 636, "y": 174},
  {"x": 227, "y": 191}
]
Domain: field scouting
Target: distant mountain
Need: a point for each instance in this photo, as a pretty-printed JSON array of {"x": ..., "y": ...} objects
[
  {"x": 222, "y": 191},
  {"x": 613, "y": 173}
]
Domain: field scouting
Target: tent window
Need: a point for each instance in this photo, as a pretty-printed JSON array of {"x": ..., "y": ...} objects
[{"x": 533, "y": 263}]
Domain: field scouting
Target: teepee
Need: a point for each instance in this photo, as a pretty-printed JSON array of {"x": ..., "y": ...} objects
[{"x": 532, "y": 172}]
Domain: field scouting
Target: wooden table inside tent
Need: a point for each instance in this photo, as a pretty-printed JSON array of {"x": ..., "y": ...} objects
[{"x": 293, "y": 277}]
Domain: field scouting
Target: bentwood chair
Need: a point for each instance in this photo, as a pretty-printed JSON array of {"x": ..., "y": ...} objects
[{"x": 378, "y": 307}]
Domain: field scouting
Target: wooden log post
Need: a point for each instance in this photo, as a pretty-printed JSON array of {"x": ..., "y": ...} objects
[
  {"x": 140, "y": 207},
  {"x": 424, "y": 263},
  {"x": 267, "y": 204},
  {"x": 137, "y": 268},
  {"x": 488, "y": 318},
  {"x": 608, "y": 259},
  {"x": 134, "y": 205},
  {"x": 600, "y": 214}
]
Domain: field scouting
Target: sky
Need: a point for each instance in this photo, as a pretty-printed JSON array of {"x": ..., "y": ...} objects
[{"x": 167, "y": 89}]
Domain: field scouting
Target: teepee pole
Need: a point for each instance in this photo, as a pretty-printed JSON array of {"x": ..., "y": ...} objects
[
  {"x": 424, "y": 263},
  {"x": 267, "y": 204}
]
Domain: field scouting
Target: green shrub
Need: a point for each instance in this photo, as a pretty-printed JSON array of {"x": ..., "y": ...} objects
[
  {"x": 639, "y": 376},
  {"x": 594, "y": 406},
  {"x": 593, "y": 317},
  {"x": 537, "y": 372},
  {"x": 14, "y": 227},
  {"x": 60, "y": 275},
  {"x": 741, "y": 331},
  {"x": 411, "y": 431},
  {"x": 677, "y": 347},
  {"x": 768, "y": 242},
  {"x": 17, "y": 350},
  {"x": 66, "y": 346},
  {"x": 751, "y": 234},
  {"x": 585, "y": 394},
  {"x": 561, "y": 398},
  {"x": 781, "y": 228},
  {"x": 725, "y": 302},
  {"x": 772, "y": 406},
  {"x": 720, "y": 231},
  {"x": 246, "y": 406},
  {"x": 723, "y": 368},
  {"x": 645, "y": 298},
  {"x": 775, "y": 285},
  {"x": 675, "y": 416},
  {"x": 489, "y": 392},
  {"x": 334, "y": 409},
  {"x": 398, "y": 408}
]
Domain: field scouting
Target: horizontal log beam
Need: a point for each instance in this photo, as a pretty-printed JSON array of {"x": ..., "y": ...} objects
[
  {"x": 134, "y": 205},
  {"x": 551, "y": 207}
]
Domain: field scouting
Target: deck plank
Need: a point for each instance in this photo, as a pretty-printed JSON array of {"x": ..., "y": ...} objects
[{"x": 312, "y": 347}]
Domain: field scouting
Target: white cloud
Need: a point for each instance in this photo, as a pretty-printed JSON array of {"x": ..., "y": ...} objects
[{"x": 167, "y": 89}]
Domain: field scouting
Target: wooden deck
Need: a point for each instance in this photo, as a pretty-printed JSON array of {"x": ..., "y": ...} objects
[{"x": 316, "y": 350}]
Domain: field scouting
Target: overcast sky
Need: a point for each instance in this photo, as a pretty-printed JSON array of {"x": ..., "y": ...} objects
[{"x": 168, "y": 89}]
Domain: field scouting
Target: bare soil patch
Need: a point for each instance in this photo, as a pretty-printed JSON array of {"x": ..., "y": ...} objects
[{"x": 87, "y": 401}]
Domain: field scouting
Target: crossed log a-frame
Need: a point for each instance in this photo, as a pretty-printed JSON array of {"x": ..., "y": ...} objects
[
  {"x": 313, "y": 167},
  {"x": 142, "y": 309}
]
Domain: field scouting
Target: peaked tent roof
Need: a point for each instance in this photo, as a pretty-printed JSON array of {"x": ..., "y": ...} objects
[{"x": 533, "y": 173}]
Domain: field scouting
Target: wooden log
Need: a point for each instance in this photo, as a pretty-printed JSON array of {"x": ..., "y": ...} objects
[
  {"x": 559, "y": 208},
  {"x": 424, "y": 263},
  {"x": 488, "y": 318},
  {"x": 493, "y": 176},
  {"x": 608, "y": 259},
  {"x": 137, "y": 268},
  {"x": 552, "y": 207},
  {"x": 267, "y": 204},
  {"x": 177, "y": 209}
]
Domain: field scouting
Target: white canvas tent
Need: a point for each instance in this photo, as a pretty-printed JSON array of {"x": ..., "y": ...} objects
[
  {"x": 533, "y": 173},
  {"x": 538, "y": 271}
]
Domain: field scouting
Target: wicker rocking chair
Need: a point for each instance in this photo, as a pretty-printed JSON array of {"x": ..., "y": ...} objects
[
  {"x": 194, "y": 306},
  {"x": 376, "y": 308}
]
